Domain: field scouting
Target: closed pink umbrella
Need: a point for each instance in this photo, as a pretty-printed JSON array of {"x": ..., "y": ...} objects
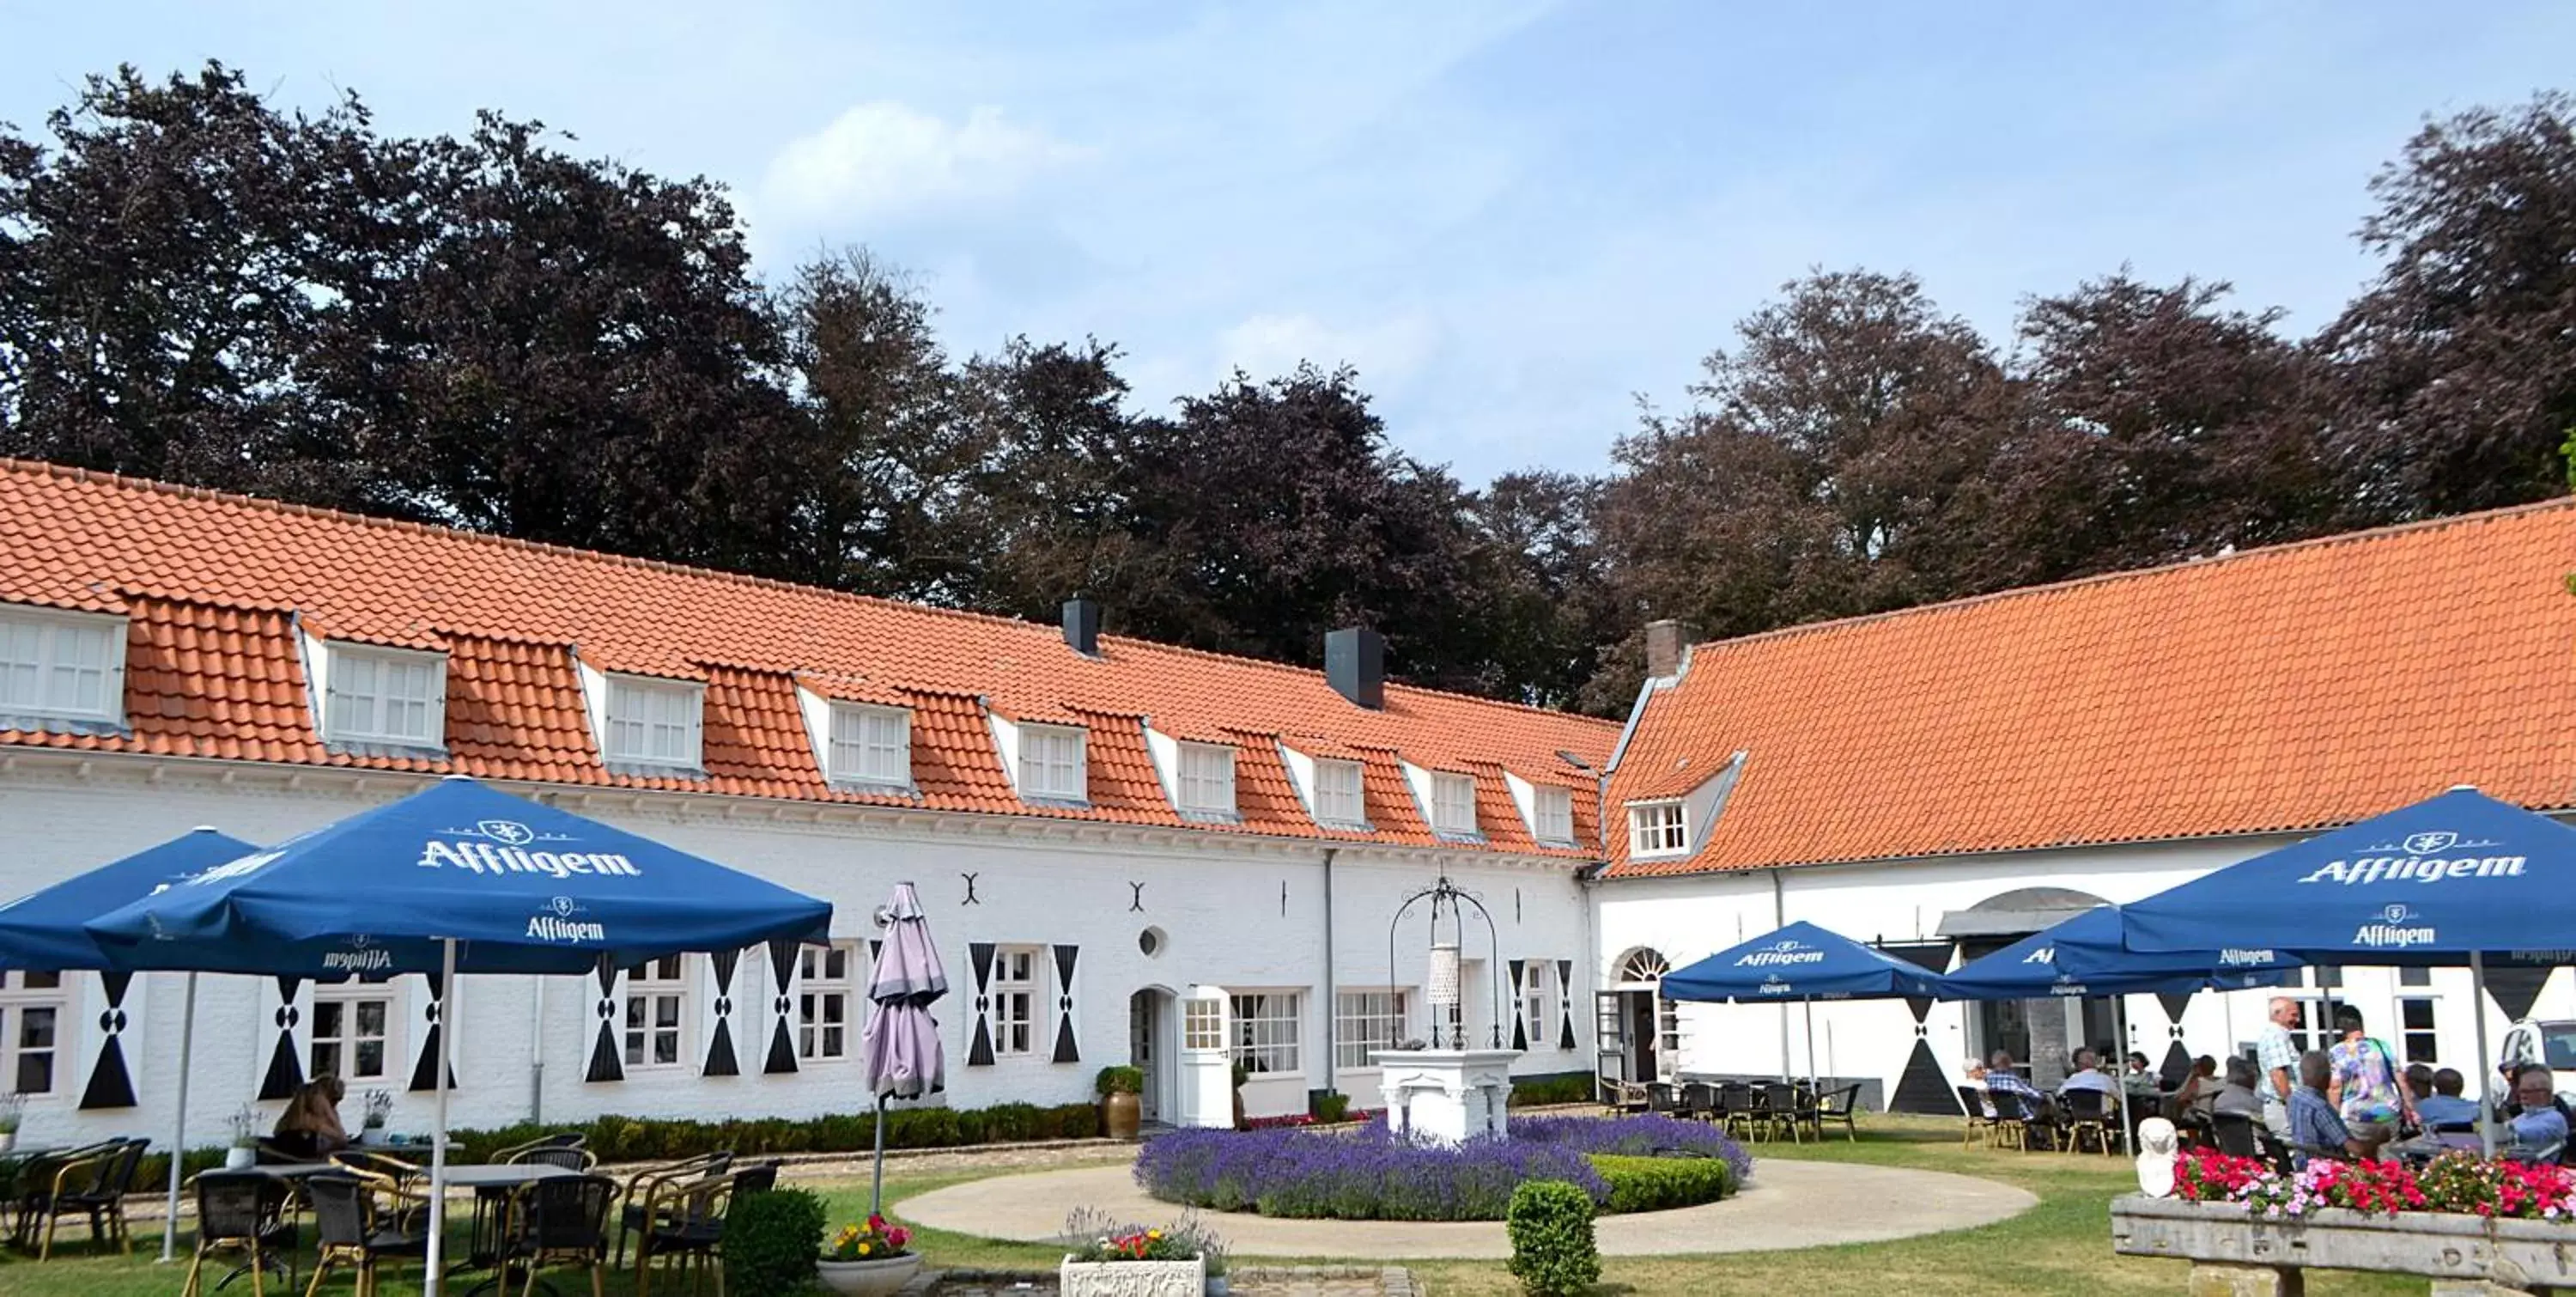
[{"x": 901, "y": 1044}]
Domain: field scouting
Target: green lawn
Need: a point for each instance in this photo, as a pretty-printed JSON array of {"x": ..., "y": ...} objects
[{"x": 2061, "y": 1246}]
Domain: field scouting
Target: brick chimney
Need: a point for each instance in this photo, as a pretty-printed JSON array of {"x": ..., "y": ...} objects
[
  {"x": 1665, "y": 641},
  {"x": 1355, "y": 665}
]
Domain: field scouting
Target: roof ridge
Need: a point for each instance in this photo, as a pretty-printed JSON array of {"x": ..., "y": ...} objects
[
  {"x": 153, "y": 485},
  {"x": 2382, "y": 532}
]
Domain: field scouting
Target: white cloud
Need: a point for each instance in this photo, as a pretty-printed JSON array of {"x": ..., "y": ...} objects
[
  {"x": 883, "y": 156},
  {"x": 1386, "y": 353}
]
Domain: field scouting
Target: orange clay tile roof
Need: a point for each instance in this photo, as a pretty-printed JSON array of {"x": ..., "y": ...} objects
[
  {"x": 2282, "y": 689},
  {"x": 216, "y": 587}
]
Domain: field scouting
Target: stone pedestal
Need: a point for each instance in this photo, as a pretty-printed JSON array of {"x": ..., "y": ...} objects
[
  {"x": 2236, "y": 1254},
  {"x": 2215, "y": 1279},
  {"x": 1445, "y": 1095}
]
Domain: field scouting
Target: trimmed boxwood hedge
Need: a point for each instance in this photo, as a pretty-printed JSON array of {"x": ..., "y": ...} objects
[{"x": 1662, "y": 1183}]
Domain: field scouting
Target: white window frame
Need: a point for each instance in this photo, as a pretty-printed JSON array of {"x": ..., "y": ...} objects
[
  {"x": 1269, "y": 1032},
  {"x": 1203, "y": 1023},
  {"x": 1538, "y": 1002},
  {"x": 1657, "y": 829},
  {"x": 662, "y": 981},
  {"x": 1050, "y": 769},
  {"x": 828, "y": 1003},
  {"x": 1552, "y": 809},
  {"x": 870, "y": 745},
  {"x": 1019, "y": 1000},
  {"x": 345, "y": 998},
  {"x": 635, "y": 740},
  {"x": 43, "y": 634},
  {"x": 19, "y": 993},
  {"x": 1368, "y": 1018},
  {"x": 1453, "y": 803},
  {"x": 352, "y": 716},
  {"x": 1346, "y": 803},
  {"x": 1207, "y": 778}
]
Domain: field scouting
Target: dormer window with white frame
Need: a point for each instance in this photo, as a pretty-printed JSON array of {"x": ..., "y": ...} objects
[
  {"x": 61, "y": 667},
  {"x": 374, "y": 695},
  {"x": 1552, "y": 815},
  {"x": 1207, "y": 779},
  {"x": 1338, "y": 796},
  {"x": 871, "y": 745},
  {"x": 1053, "y": 764},
  {"x": 655, "y": 723},
  {"x": 1453, "y": 804},
  {"x": 1657, "y": 829}
]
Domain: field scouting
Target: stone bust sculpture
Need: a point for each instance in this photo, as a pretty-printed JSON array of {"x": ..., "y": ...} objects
[{"x": 2156, "y": 1144}]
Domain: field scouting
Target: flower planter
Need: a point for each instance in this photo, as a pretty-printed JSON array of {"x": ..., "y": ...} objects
[
  {"x": 1121, "y": 1115},
  {"x": 2262, "y": 1255},
  {"x": 878, "y": 1278},
  {"x": 1132, "y": 1278}
]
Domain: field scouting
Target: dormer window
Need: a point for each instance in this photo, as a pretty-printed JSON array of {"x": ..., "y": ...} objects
[
  {"x": 59, "y": 666},
  {"x": 1655, "y": 829},
  {"x": 1453, "y": 804},
  {"x": 388, "y": 696},
  {"x": 1553, "y": 813},
  {"x": 1337, "y": 793},
  {"x": 1207, "y": 779},
  {"x": 654, "y": 722},
  {"x": 1052, "y": 764},
  {"x": 871, "y": 745}
]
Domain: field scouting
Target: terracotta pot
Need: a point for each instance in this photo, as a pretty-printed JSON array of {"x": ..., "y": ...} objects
[
  {"x": 878, "y": 1278},
  {"x": 1121, "y": 1114},
  {"x": 1238, "y": 1110}
]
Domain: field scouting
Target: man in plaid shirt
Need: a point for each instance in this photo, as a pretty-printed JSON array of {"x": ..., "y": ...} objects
[
  {"x": 2002, "y": 1079},
  {"x": 2278, "y": 1055}
]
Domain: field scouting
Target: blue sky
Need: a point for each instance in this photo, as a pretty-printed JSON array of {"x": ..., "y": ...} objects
[{"x": 1512, "y": 218}]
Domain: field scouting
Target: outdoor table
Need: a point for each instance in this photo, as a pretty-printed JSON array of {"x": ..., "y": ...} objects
[{"x": 493, "y": 1183}]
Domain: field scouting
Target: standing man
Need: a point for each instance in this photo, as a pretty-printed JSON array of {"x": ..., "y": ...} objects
[{"x": 2278, "y": 1055}]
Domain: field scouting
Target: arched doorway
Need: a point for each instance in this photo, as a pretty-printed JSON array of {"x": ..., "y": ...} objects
[
  {"x": 1149, "y": 1050},
  {"x": 1637, "y": 1030}
]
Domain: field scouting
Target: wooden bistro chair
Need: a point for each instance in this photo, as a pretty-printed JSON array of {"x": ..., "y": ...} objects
[
  {"x": 559, "y": 1222},
  {"x": 568, "y": 1156},
  {"x": 1780, "y": 1109},
  {"x": 1699, "y": 1101},
  {"x": 358, "y": 1220},
  {"x": 688, "y": 1235},
  {"x": 1972, "y": 1101},
  {"x": 242, "y": 1212},
  {"x": 2011, "y": 1123}
]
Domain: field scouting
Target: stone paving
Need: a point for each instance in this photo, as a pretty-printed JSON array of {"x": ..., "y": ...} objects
[{"x": 1249, "y": 1281}]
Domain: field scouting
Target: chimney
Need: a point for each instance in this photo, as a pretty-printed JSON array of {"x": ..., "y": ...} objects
[
  {"x": 1082, "y": 625},
  {"x": 1665, "y": 640},
  {"x": 1355, "y": 665}
]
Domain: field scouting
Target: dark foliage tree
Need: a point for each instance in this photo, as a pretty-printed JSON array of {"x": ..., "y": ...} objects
[
  {"x": 2456, "y": 379},
  {"x": 1542, "y": 590},
  {"x": 1054, "y": 509}
]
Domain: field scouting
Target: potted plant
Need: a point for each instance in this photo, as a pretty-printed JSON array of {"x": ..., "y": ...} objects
[
  {"x": 1241, "y": 1075},
  {"x": 871, "y": 1259},
  {"x": 1134, "y": 1261},
  {"x": 13, "y": 1107},
  {"x": 1122, "y": 1106},
  {"x": 245, "y": 1148},
  {"x": 380, "y": 1108}
]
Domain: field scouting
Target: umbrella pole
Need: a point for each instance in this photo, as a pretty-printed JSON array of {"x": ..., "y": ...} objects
[
  {"x": 876, "y": 1185},
  {"x": 438, "y": 1141},
  {"x": 1811, "y": 1045},
  {"x": 2486, "y": 1061},
  {"x": 179, "y": 1124},
  {"x": 2120, "y": 1071}
]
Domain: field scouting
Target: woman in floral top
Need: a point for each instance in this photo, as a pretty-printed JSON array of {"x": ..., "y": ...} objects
[{"x": 2366, "y": 1089}]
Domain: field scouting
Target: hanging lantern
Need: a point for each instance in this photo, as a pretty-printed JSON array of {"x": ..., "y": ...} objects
[{"x": 1442, "y": 984}]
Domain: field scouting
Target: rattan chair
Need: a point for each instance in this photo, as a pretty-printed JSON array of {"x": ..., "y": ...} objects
[
  {"x": 93, "y": 1186},
  {"x": 357, "y": 1220},
  {"x": 1735, "y": 1109},
  {"x": 1837, "y": 1108},
  {"x": 245, "y": 1212},
  {"x": 1780, "y": 1110},
  {"x": 1972, "y": 1101},
  {"x": 2011, "y": 1123},
  {"x": 567, "y": 1156},
  {"x": 687, "y": 1236},
  {"x": 651, "y": 1195},
  {"x": 2233, "y": 1132},
  {"x": 2089, "y": 1115},
  {"x": 1699, "y": 1101},
  {"x": 559, "y": 1222}
]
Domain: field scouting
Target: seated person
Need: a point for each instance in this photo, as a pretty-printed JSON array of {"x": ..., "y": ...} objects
[
  {"x": 2316, "y": 1129},
  {"x": 1976, "y": 1074},
  {"x": 2189, "y": 1103},
  {"x": 2237, "y": 1095},
  {"x": 2002, "y": 1079},
  {"x": 310, "y": 1126},
  {"x": 2140, "y": 1080},
  {"x": 2445, "y": 1106},
  {"x": 2088, "y": 1075},
  {"x": 2419, "y": 1083},
  {"x": 2538, "y": 1131}
]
